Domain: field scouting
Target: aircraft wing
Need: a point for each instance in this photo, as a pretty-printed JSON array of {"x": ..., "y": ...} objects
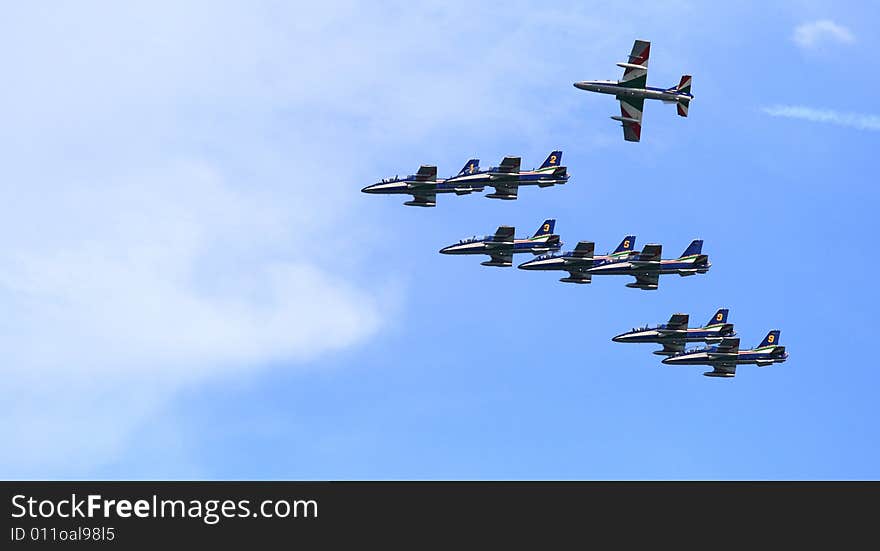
[
  {"x": 499, "y": 257},
  {"x": 635, "y": 69},
  {"x": 426, "y": 173},
  {"x": 647, "y": 281},
  {"x": 504, "y": 234},
  {"x": 577, "y": 277},
  {"x": 678, "y": 322},
  {"x": 727, "y": 347},
  {"x": 425, "y": 198},
  {"x": 722, "y": 370},
  {"x": 650, "y": 255},
  {"x": 584, "y": 250},
  {"x": 672, "y": 348},
  {"x": 504, "y": 189},
  {"x": 509, "y": 165},
  {"x": 631, "y": 118}
]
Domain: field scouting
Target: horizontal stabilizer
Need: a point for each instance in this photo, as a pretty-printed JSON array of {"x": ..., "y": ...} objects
[
  {"x": 553, "y": 241},
  {"x": 683, "y": 105}
]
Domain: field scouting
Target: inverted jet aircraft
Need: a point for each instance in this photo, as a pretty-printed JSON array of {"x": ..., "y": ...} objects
[
  {"x": 674, "y": 334},
  {"x": 424, "y": 184},
  {"x": 648, "y": 265},
  {"x": 632, "y": 91},
  {"x": 576, "y": 262},
  {"x": 507, "y": 177},
  {"x": 503, "y": 245},
  {"x": 726, "y": 355}
]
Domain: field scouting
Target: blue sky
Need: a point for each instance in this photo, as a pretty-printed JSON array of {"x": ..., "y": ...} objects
[{"x": 195, "y": 287}]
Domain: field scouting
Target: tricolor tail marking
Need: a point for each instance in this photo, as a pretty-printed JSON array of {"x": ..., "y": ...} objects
[{"x": 546, "y": 228}]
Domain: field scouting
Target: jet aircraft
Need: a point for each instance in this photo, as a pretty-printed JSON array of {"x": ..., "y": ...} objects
[
  {"x": 632, "y": 91},
  {"x": 507, "y": 177},
  {"x": 648, "y": 265},
  {"x": 726, "y": 355},
  {"x": 674, "y": 334},
  {"x": 503, "y": 245},
  {"x": 424, "y": 184},
  {"x": 576, "y": 262}
]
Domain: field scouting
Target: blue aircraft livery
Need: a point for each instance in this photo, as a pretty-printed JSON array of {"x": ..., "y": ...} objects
[
  {"x": 507, "y": 177},
  {"x": 503, "y": 245},
  {"x": 424, "y": 184},
  {"x": 726, "y": 355},
  {"x": 581, "y": 259},
  {"x": 675, "y": 333},
  {"x": 648, "y": 266}
]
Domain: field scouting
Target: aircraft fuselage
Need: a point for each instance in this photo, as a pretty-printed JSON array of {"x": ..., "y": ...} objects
[
  {"x": 616, "y": 89},
  {"x": 487, "y": 246},
  {"x": 655, "y": 335},
  {"x": 743, "y": 357},
  {"x": 408, "y": 186},
  {"x": 569, "y": 262},
  {"x": 681, "y": 266}
]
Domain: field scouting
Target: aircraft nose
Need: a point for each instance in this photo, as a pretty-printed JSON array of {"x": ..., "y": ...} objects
[
  {"x": 668, "y": 361},
  {"x": 618, "y": 338},
  {"x": 446, "y": 250},
  {"x": 369, "y": 189},
  {"x": 580, "y": 85}
]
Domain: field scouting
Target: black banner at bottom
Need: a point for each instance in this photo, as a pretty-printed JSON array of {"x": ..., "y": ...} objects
[{"x": 128, "y": 515}]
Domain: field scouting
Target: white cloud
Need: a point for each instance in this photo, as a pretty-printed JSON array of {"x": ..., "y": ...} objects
[
  {"x": 851, "y": 120},
  {"x": 816, "y": 33},
  {"x": 182, "y": 177}
]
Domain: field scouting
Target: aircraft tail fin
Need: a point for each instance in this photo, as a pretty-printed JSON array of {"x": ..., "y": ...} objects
[
  {"x": 470, "y": 167},
  {"x": 720, "y": 317},
  {"x": 695, "y": 248},
  {"x": 553, "y": 159},
  {"x": 684, "y": 85},
  {"x": 772, "y": 339},
  {"x": 546, "y": 228},
  {"x": 627, "y": 245}
]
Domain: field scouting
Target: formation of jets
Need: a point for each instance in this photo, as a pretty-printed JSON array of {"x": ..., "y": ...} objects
[
  {"x": 721, "y": 353},
  {"x": 632, "y": 90},
  {"x": 646, "y": 266},
  {"x": 506, "y": 178}
]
